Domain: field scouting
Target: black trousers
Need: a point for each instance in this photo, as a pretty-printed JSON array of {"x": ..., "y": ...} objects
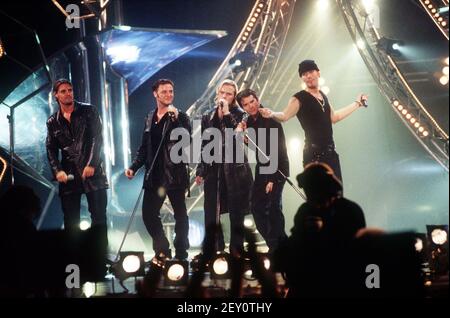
[
  {"x": 71, "y": 204},
  {"x": 267, "y": 210},
  {"x": 235, "y": 210},
  {"x": 328, "y": 156},
  {"x": 151, "y": 207}
]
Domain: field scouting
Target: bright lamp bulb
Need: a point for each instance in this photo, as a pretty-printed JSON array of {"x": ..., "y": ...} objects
[
  {"x": 220, "y": 266},
  {"x": 131, "y": 263},
  {"x": 175, "y": 272}
]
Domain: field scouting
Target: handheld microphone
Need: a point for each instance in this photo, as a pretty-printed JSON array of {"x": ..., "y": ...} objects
[
  {"x": 220, "y": 104},
  {"x": 70, "y": 177},
  {"x": 245, "y": 117},
  {"x": 171, "y": 114},
  {"x": 364, "y": 103}
]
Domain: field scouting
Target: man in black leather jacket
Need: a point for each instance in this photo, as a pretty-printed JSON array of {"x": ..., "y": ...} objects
[
  {"x": 267, "y": 208},
  {"x": 75, "y": 130},
  {"x": 232, "y": 192},
  {"x": 163, "y": 176}
]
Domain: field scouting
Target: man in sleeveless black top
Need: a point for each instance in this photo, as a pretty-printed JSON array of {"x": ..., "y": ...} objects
[{"x": 316, "y": 116}]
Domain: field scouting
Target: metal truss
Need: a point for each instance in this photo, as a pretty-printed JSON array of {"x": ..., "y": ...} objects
[
  {"x": 393, "y": 84},
  {"x": 432, "y": 9},
  {"x": 264, "y": 34}
]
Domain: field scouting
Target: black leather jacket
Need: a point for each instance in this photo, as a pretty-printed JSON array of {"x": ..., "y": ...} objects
[
  {"x": 238, "y": 176},
  {"x": 175, "y": 175},
  {"x": 80, "y": 143}
]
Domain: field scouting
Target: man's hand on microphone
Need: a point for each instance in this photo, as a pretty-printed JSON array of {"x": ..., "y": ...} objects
[
  {"x": 173, "y": 110},
  {"x": 225, "y": 107},
  {"x": 129, "y": 174},
  {"x": 242, "y": 126},
  {"x": 61, "y": 177},
  {"x": 88, "y": 172},
  {"x": 362, "y": 99}
]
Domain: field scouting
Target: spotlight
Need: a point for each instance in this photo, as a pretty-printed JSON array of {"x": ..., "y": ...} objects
[
  {"x": 446, "y": 61},
  {"x": 84, "y": 225},
  {"x": 323, "y": 4},
  {"x": 395, "y": 102},
  {"x": 417, "y": 125},
  {"x": 360, "y": 44},
  {"x": 404, "y": 112},
  {"x": 130, "y": 264},
  {"x": 219, "y": 266},
  {"x": 438, "y": 238},
  {"x": 438, "y": 234},
  {"x": 248, "y": 223},
  {"x": 445, "y": 70},
  {"x": 443, "y": 80},
  {"x": 242, "y": 60},
  {"x": 368, "y": 5},
  {"x": 412, "y": 120},
  {"x": 425, "y": 133},
  {"x": 176, "y": 273},
  {"x": 390, "y": 46},
  {"x": 2, "y": 49}
]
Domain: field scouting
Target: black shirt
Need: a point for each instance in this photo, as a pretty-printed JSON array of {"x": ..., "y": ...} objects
[
  {"x": 281, "y": 152},
  {"x": 156, "y": 136},
  {"x": 315, "y": 119}
]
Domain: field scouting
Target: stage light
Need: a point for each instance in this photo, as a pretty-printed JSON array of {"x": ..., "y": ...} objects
[
  {"x": 418, "y": 245},
  {"x": 412, "y": 120},
  {"x": 443, "y": 80},
  {"x": 368, "y": 5},
  {"x": 446, "y": 61},
  {"x": 2, "y": 49},
  {"x": 439, "y": 236},
  {"x": 360, "y": 44},
  {"x": 390, "y": 46},
  {"x": 408, "y": 116},
  {"x": 130, "y": 264},
  {"x": 248, "y": 275},
  {"x": 3, "y": 168},
  {"x": 421, "y": 129},
  {"x": 89, "y": 289},
  {"x": 425, "y": 133},
  {"x": 396, "y": 103},
  {"x": 248, "y": 223},
  {"x": 323, "y": 4},
  {"x": 400, "y": 107},
  {"x": 219, "y": 266},
  {"x": 295, "y": 144},
  {"x": 404, "y": 112},
  {"x": 445, "y": 70},
  {"x": 176, "y": 272},
  {"x": 84, "y": 225},
  {"x": 242, "y": 60},
  {"x": 417, "y": 125}
]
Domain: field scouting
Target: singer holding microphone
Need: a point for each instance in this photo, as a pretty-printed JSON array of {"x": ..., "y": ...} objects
[
  {"x": 316, "y": 116},
  {"x": 163, "y": 177},
  {"x": 75, "y": 130},
  {"x": 227, "y": 184},
  {"x": 267, "y": 191}
]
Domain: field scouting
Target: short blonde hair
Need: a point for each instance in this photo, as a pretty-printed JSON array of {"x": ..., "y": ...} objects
[{"x": 230, "y": 83}]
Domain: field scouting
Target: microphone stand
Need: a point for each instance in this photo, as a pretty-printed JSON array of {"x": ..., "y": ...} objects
[
  {"x": 149, "y": 172},
  {"x": 296, "y": 189}
]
